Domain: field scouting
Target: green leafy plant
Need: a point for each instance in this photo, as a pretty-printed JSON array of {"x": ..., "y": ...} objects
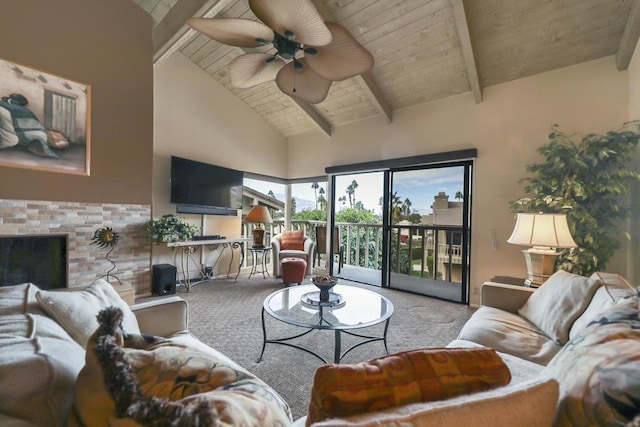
[
  {"x": 583, "y": 177},
  {"x": 171, "y": 228}
]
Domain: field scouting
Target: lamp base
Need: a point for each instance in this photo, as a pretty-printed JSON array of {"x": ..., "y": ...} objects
[
  {"x": 258, "y": 237},
  {"x": 540, "y": 266}
]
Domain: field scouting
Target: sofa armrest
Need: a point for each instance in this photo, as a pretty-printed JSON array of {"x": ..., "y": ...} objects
[
  {"x": 162, "y": 317},
  {"x": 505, "y": 297}
]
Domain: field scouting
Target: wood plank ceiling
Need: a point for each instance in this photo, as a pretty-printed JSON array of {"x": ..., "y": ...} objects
[{"x": 424, "y": 50}]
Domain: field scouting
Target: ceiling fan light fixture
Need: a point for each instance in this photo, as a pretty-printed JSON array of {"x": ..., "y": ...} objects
[{"x": 312, "y": 54}]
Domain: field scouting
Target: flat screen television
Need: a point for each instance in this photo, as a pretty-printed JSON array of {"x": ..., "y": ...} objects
[{"x": 205, "y": 185}]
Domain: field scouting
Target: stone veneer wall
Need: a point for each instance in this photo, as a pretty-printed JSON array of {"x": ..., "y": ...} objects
[{"x": 132, "y": 254}]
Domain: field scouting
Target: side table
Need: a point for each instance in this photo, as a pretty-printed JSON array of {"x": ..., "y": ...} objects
[{"x": 263, "y": 251}]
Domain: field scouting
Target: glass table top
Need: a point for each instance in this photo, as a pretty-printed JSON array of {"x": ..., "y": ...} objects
[{"x": 360, "y": 308}]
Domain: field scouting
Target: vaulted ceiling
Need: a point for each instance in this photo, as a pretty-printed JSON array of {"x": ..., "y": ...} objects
[{"x": 424, "y": 50}]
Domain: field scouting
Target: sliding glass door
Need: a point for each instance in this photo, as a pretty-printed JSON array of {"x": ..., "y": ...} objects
[
  {"x": 358, "y": 227},
  {"x": 405, "y": 228},
  {"x": 429, "y": 229}
]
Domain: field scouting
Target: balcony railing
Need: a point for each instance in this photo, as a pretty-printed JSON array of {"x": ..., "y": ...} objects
[{"x": 363, "y": 246}]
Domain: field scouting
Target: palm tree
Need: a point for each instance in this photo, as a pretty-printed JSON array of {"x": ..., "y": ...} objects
[
  {"x": 396, "y": 207},
  {"x": 343, "y": 201},
  {"x": 351, "y": 192},
  {"x": 406, "y": 207},
  {"x": 315, "y": 191},
  {"x": 459, "y": 195},
  {"x": 323, "y": 202},
  {"x": 321, "y": 199}
]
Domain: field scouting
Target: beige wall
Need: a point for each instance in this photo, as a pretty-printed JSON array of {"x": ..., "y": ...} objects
[
  {"x": 107, "y": 45},
  {"x": 199, "y": 119},
  {"x": 506, "y": 128}
]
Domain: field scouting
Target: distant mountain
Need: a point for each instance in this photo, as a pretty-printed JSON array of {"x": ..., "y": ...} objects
[
  {"x": 304, "y": 204},
  {"x": 301, "y": 204}
]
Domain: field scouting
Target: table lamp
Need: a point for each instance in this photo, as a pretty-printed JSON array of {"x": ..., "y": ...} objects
[
  {"x": 259, "y": 214},
  {"x": 544, "y": 232}
]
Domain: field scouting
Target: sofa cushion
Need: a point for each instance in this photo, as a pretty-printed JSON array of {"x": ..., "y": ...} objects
[
  {"x": 558, "y": 302},
  {"x": 528, "y": 404},
  {"x": 39, "y": 363},
  {"x": 614, "y": 288},
  {"x": 599, "y": 369},
  {"x": 76, "y": 310},
  {"x": 521, "y": 370},
  {"x": 403, "y": 378},
  {"x": 509, "y": 333},
  {"x": 293, "y": 240},
  {"x": 170, "y": 376}
]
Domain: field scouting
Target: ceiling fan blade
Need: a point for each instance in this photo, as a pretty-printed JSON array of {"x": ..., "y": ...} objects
[
  {"x": 234, "y": 32},
  {"x": 305, "y": 84},
  {"x": 252, "y": 69},
  {"x": 300, "y": 17},
  {"x": 344, "y": 57}
]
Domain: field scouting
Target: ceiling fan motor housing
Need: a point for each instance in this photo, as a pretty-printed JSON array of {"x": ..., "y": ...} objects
[{"x": 286, "y": 48}]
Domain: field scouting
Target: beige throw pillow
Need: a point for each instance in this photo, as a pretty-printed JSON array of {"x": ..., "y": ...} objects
[
  {"x": 76, "y": 311},
  {"x": 558, "y": 303}
]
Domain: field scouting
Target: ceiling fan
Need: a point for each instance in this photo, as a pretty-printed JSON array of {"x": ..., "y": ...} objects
[{"x": 310, "y": 53}]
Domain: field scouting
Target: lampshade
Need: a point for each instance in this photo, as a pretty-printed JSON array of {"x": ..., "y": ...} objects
[
  {"x": 259, "y": 213},
  {"x": 542, "y": 230}
]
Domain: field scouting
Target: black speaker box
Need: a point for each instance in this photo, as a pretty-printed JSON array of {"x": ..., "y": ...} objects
[{"x": 163, "y": 281}]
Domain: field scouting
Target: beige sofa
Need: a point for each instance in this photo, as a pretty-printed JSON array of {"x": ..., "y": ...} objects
[
  {"x": 573, "y": 349},
  {"x": 44, "y": 380}
]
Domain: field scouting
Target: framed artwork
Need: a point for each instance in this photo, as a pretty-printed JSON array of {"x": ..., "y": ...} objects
[{"x": 44, "y": 121}]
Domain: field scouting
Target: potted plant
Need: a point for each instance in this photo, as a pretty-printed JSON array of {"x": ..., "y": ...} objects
[
  {"x": 171, "y": 228},
  {"x": 583, "y": 177}
]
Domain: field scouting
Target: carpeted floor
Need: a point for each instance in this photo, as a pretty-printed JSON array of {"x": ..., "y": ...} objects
[{"x": 226, "y": 315}]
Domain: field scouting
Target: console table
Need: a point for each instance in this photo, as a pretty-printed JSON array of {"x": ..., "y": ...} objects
[{"x": 192, "y": 246}]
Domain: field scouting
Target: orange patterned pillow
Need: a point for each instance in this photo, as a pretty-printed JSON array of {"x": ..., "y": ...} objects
[
  {"x": 399, "y": 379},
  {"x": 292, "y": 240}
]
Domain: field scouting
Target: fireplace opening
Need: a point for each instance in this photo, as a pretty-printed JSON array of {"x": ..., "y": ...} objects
[{"x": 41, "y": 260}]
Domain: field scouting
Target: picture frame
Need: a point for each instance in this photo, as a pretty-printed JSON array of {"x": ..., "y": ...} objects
[{"x": 45, "y": 120}]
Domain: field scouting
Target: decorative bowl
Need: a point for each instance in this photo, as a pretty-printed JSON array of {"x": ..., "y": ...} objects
[{"x": 324, "y": 283}]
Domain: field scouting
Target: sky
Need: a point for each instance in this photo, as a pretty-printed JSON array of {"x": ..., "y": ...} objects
[{"x": 419, "y": 186}]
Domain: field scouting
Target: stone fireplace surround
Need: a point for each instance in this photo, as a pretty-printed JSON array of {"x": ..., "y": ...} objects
[{"x": 79, "y": 221}]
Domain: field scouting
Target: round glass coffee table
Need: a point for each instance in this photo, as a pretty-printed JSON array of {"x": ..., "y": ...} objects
[{"x": 354, "y": 308}]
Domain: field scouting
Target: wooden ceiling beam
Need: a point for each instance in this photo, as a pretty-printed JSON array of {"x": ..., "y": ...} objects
[
  {"x": 462, "y": 25},
  {"x": 171, "y": 33},
  {"x": 317, "y": 119},
  {"x": 630, "y": 38},
  {"x": 373, "y": 92}
]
